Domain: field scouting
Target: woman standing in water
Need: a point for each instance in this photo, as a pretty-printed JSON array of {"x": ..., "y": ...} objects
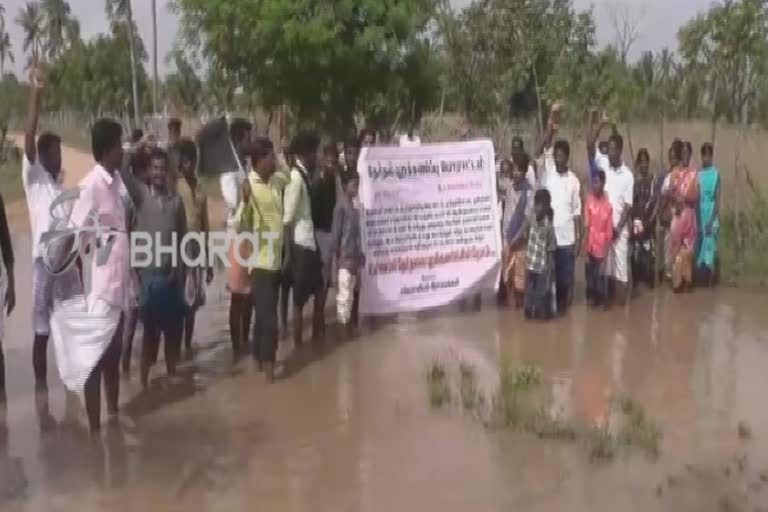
[
  {"x": 709, "y": 216},
  {"x": 684, "y": 190},
  {"x": 664, "y": 212},
  {"x": 644, "y": 221}
]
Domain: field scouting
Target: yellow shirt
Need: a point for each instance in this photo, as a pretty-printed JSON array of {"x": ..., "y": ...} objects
[{"x": 262, "y": 215}]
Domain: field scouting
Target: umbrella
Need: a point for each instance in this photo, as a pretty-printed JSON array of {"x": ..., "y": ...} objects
[{"x": 216, "y": 153}]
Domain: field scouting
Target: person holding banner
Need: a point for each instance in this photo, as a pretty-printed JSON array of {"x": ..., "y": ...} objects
[
  {"x": 348, "y": 253},
  {"x": 238, "y": 282},
  {"x": 517, "y": 217},
  {"x": 304, "y": 263}
]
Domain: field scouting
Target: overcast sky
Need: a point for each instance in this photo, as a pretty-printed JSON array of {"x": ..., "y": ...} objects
[{"x": 658, "y": 23}]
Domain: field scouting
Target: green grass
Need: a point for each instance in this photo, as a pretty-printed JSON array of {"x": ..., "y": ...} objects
[
  {"x": 437, "y": 386},
  {"x": 10, "y": 181},
  {"x": 519, "y": 405},
  {"x": 743, "y": 263},
  {"x": 470, "y": 396}
]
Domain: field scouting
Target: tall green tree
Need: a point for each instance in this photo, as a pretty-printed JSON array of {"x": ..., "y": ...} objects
[
  {"x": 6, "y": 48},
  {"x": 726, "y": 50},
  {"x": 327, "y": 61},
  {"x": 121, "y": 12},
  {"x": 500, "y": 48},
  {"x": 31, "y": 21},
  {"x": 60, "y": 28},
  {"x": 95, "y": 77},
  {"x": 183, "y": 88}
]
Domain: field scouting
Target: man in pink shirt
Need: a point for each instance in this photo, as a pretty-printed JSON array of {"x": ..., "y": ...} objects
[
  {"x": 599, "y": 227},
  {"x": 87, "y": 330}
]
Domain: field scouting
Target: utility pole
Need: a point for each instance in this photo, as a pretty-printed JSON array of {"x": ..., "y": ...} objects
[{"x": 154, "y": 56}]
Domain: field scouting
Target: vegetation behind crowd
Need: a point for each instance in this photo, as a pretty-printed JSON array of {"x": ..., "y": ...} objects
[{"x": 494, "y": 65}]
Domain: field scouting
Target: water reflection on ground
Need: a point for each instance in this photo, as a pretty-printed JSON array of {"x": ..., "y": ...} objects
[{"x": 349, "y": 427}]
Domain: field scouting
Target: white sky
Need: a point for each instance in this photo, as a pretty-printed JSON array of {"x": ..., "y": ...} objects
[{"x": 659, "y": 21}]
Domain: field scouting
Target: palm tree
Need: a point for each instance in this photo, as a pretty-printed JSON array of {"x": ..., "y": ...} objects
[
  {"x": 6, "y": 49},
  {"x": 30, "y": 19},
  {"x": 60, "y": 28},
  {"x": 120, "y": 11}
]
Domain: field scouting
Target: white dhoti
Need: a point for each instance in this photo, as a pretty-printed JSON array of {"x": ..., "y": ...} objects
[{"x": 81, "y": 331}]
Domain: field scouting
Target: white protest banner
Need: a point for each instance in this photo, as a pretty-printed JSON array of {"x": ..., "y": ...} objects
[{"x": 430, "y": 225}]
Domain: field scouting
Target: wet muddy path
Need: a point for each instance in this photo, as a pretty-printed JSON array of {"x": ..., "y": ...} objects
[{"x": 349, "y": 426}]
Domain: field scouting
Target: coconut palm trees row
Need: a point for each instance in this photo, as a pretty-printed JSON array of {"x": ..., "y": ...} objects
[{"x": 49, "y": 29}]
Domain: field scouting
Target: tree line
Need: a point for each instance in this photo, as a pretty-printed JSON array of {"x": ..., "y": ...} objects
[{"x": 387, "y": 63}]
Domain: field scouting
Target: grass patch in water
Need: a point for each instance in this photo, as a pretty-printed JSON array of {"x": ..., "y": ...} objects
[
  {"x": 470, "y": 397},
  {"x": 637, "y": 430},
  {"x": 437, "y": 386},
  {"x": 518, "y": 405}
]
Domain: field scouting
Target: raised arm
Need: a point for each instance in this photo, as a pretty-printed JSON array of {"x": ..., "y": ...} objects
[
  {"x": 30, "y": 134},
  {"x": 549, "y": 131},
  {"x": 593, "y": 133},
  {"x": 134, "y": 187}
]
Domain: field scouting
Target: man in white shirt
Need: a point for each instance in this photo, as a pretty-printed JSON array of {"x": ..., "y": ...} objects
[
  {"x": 619, "y": 186},
  {"x": 42, "y": 180},
  {"x": 565, "y": 189},
  {"x": 231, "y": 182},
  {"x": 304, "y": 257}
]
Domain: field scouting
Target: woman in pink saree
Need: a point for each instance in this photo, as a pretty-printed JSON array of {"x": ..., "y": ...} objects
[{"x": 684, "y": 192}]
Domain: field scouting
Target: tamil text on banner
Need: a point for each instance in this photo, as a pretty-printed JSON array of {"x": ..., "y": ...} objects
[{"x": 430, "y": 225}]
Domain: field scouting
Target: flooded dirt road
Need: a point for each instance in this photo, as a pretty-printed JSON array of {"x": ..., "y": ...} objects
[{"x": 349, "y": 426}]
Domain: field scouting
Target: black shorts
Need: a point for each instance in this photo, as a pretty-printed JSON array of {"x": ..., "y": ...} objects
[{"x": 307, "y": 274}]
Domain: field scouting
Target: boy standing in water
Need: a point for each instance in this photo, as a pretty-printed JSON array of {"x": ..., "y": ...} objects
[
  {"x": 88, "y": 332},
  {"x": 261, "y": 214},
  {"x": 540, "y": 259},
  {"x": 348, "y": 249},
  {"x": 599, "y": 226},
  {"x": 325, "y": 192},
  {"x": 42, "y": 180},
  {"x": 160, "y": 216},
  {"x": 192, "y": 194},
  {"x": 305, "y": 263}
]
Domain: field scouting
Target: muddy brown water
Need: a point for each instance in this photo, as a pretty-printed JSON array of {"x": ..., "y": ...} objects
[{"x": 348, "y": 427}]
